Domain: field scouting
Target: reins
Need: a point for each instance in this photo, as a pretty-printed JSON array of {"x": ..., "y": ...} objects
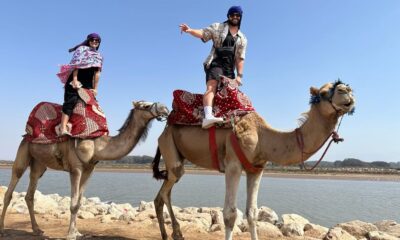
[{"x": 300, "y": 143}]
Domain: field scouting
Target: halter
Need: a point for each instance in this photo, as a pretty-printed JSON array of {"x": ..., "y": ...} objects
[{"x": 157, "y": 114}]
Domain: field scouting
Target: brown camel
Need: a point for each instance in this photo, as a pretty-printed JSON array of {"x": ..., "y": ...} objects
[
  {"x": 78, "y": 157},
  {"x": 259, "y": 142}
]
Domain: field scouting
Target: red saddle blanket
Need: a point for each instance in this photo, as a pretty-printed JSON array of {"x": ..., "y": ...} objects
[
  {"x": 229, "y": 103},
  {"x": 87, "y": 121}
]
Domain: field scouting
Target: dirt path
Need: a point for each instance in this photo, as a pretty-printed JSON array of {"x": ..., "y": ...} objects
[{"x": 18, "y": 228}]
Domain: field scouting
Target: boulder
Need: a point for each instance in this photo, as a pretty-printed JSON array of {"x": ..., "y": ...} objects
[
  {"x": 293, "y": 229},
  {"x": 314, "y": 230},
  {"x": 85, "y": 215},
  {"x": 358, "y": 229},
  {"x": 190, "y": 210},
  {"x": 389, "y": 226},
  {"x": 294, "y": 218},
  {"x": 377, "y": 235},
  {"x": 145, "y": 206},
  {"x": 337, "y": 233},
  {"x": 268, "y": 230},
  {"x": 266, "y": 214}
]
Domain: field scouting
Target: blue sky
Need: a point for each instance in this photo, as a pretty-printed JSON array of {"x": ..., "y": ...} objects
[{"x": 292, "y": 45}]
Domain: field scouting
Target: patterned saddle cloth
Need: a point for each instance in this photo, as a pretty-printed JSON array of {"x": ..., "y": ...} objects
[
  {"x": 229, "y": 103},
  {"x": 87, "y": 121}
]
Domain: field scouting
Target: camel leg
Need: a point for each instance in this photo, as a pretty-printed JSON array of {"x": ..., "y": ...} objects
[
  {"x": 232, "y": 178},
  {"x": 253, "y": 183},
  {"x": 37, "y": 171},
  {"x": 75, "y": 178},
  {"x": 174, "y": 166},
  {"x": 21, "y": 163},
  {"x": 84, "y": 180}
]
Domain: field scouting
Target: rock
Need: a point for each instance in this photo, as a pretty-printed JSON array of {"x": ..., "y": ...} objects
[
  {"x": 190, "y": 210},
  {"x": 358, "y": 228},
  {"x": 85, "y": 215},
  {"x": 216, "y": 227},
  {"x": 64, "y": 203},
  {"x": 20, "y": 208},
  {"x": 337, "y": 233},
  {"x": 389, "y": 226},
  {"x": 145, "y": 214},
  {"x": 145, "y": 206},
  {"x": 294, "y": 218},
  {"x": 93, "y": 200},
  {"x": 266, "y": 214},
  {"x": 377, "y": 235},
  {"x": 293, "y": 229},
  {"x": 217, "y": 216},
  {"x": 314, "y": 230},
  {"x": 268, "y": 230}
]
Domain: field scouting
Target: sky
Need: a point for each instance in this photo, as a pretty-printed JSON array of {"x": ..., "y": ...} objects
[{"x": 292, "y": 45}]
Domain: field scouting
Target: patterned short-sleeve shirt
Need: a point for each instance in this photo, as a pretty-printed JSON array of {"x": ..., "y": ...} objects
[{"x": 217, "y": 32}]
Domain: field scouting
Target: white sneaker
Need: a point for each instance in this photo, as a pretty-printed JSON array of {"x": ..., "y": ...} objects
[{"x": 209, "y": 122}]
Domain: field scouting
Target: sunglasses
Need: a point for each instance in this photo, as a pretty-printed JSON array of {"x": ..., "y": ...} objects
[
  {"x": 235, "y": 15},
  {"x": 94, "y": 40}
]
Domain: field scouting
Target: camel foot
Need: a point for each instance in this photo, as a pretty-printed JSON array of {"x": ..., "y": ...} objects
[
  {"x": 38, "y": 232},
  {"x": 177, "y": 236},
  {"x": 74, "y": 236}
]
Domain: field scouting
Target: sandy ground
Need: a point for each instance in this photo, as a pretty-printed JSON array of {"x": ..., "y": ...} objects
[{"x": 17, "y": 227}]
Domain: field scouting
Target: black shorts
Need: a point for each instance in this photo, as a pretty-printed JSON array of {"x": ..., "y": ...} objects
[{"x": 215, "y": 73}]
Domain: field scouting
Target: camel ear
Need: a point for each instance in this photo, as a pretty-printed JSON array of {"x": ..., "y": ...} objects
[
  {"x": 325, "y": 90},
  {"x": 314, "y": 91},
  {"x": 134, "y": 103}
]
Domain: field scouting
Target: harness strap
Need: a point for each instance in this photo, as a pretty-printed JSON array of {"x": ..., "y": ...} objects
[
  {"x": 242, "y": 158},
  {"x": 213, "y": 148},
  {"x": 300, "y": 143}
]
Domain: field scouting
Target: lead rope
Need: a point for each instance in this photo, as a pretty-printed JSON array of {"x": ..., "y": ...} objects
[{"x": 335, "y": 138}]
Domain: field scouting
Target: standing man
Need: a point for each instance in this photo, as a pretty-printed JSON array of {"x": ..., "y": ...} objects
[{"x": 227, "y": 54}]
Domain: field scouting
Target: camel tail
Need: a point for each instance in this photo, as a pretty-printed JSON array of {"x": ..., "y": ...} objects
[{"x": 157, "y": 174}]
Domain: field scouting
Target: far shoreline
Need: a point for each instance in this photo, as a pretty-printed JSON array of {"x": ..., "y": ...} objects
[{"x": 267, "y": 173}]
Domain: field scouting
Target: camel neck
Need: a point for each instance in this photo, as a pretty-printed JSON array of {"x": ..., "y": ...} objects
[
  {"x": 282, "y": 147},
  {"x": 116, "y": 147}
]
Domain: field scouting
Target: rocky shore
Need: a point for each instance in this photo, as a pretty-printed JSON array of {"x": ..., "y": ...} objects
[{"x": 196, "y": 223}]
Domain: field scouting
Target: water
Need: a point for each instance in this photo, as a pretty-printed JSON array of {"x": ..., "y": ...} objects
[{"x": 324, "y": 202}]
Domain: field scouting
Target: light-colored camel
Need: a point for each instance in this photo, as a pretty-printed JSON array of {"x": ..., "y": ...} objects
[
  {"x": 78, "y": 157},
  {"x": 259, "y": 142}
]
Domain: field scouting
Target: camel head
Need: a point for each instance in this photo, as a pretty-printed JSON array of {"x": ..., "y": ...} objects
[
  {"x": 154, "y": 110},
  {"x": 333, "y": 98}
]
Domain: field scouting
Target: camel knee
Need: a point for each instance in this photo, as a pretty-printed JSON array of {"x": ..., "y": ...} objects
[
  {"x": 74, "y": 208},
  {"x": 230, "y": 215},
  {"x": 252, "y": 215},
  {"x": 29, "y": 199}
]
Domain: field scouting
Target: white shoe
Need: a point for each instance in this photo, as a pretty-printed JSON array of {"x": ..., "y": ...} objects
[{"x": 209, "y": 122}]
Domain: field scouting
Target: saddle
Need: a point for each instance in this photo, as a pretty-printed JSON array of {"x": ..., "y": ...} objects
[
  {"x": 87, "y": 121},
  {"x": 229, "y": 103}
]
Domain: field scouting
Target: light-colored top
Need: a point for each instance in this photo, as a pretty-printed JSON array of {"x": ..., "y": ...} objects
[{"x": 218, "y": 32}]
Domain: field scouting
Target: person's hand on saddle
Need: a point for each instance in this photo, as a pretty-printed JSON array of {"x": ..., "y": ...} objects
[
  {"x": 76, "y": 84},
  {"x": 94, "y": 91},
  {"x": 184, "y": 27}
]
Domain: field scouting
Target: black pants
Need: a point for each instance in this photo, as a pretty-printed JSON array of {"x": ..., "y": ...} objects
[{"x": 71, "y": 97}]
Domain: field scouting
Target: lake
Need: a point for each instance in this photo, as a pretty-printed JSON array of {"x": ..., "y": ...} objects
[{"x": 321, "y": 201}]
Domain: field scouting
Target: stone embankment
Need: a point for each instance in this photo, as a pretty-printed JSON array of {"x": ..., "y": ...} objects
[{"x": 206, "y": 219}]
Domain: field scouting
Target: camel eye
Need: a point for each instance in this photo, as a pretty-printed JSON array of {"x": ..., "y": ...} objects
[{"x": 342, "y": 91}]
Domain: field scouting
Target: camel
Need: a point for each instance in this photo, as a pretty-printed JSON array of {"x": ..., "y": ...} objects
[
  {"x": 259, "y": 142},
  {"x": 78, "y": 157}
]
